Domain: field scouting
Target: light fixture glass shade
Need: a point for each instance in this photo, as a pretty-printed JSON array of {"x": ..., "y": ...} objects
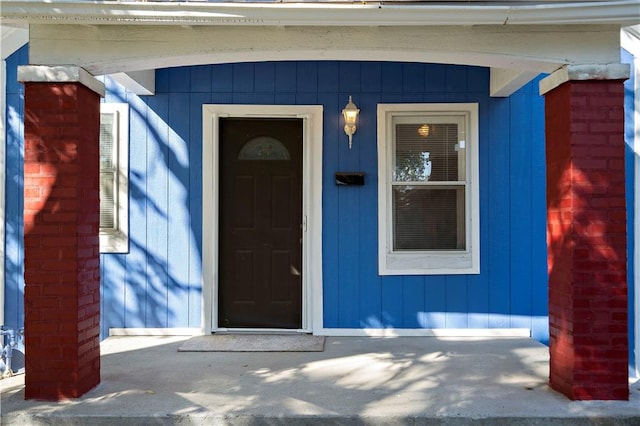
[
  {"x": 424, "y": 130},
  {"x": 350, "y": 114}
]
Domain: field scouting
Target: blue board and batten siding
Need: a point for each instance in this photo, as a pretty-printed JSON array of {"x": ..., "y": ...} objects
[
  {"x": 158, "y": 283},
  {"x": 630, "y": 171},
  {"x": 14, "y": 201}
]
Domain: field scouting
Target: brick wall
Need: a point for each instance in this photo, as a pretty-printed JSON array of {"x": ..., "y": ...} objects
[
  {"x": 61, "y": 217},
  {"x": 586, "y": 235}
]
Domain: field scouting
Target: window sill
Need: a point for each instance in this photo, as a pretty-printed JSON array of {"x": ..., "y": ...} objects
[
  {"x": 429, "y": 264},
  {"x": 114, "y": 242}
]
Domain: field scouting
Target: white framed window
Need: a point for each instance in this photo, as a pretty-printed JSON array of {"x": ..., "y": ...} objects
[
  {"x": 428, "y": 189},
  {"x": 114, "y": 176}
]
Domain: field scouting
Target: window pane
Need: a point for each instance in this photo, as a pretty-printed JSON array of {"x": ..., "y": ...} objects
[
  {"x": 264, "y": 148},
  {"x": 427, "y": 151},
  {"x": 428, "y": 218},
  {"x": 107, "y": 200},
  {"x": 106, "y": 140}
]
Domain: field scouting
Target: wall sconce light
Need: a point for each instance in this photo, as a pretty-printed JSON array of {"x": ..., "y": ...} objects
[
  {"x": 350, "y": 113},
  {"x": 424, "y": 130}
]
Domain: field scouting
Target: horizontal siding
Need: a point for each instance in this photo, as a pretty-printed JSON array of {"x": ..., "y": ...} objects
[{"x": 158, "y": 283}]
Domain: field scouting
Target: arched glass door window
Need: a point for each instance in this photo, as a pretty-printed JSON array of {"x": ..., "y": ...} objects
[{"x": 264, "y": 148}]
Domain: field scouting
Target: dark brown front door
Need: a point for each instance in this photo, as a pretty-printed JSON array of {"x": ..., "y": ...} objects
[{"x": 260, "y": 260}]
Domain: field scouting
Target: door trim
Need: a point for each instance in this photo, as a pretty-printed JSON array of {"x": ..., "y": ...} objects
[{"x": 311, "y": 207}]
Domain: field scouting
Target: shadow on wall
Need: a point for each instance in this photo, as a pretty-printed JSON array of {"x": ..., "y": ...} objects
[
  {"x": 157, "y": 284},
  {"x": 586, "y": 236},
  {"x": 14, "y": 255}
]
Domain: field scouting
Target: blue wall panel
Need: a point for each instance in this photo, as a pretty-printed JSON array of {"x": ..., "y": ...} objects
[
  {"x": 14, "y": 224},
  {"x": 495, "y": 244},
  {"x": 630, "y": 168},
  {"x": 158, "y": 283}
]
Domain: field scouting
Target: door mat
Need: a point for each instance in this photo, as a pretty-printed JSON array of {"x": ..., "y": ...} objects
[{"x": 254, "y": 343}]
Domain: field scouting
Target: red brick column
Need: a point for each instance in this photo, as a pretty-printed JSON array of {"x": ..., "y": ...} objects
[
  {"x": 586, "y": 235},
  {"x": 61, "y": 220}
]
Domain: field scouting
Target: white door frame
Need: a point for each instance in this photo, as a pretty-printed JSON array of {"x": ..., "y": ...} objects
[{"x": 311, "y": 207}]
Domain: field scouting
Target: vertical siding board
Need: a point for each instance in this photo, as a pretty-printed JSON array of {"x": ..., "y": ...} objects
[
  {"x": 307, "y": 98},
  {"x": 371, "y": 77},
  {"x": 222, "y": 98},
  {"x": 14, "y": 189},
  {"x": 286, "y": 80},
  {"x": 158, "y": 284},
  {"x": 156, "y": 309},
  {"x": 498, "y": 214},
  {"x": 413, "y": 301},
  {"x": 349, "y": 202},
  {"x": 265, "y": 77},
  {"x": 179, "y": 80},
  {"x": 195, "y": 208},
  {"x": 392, "y": 298},
  {"x": 348, "y": 256},
  {"x": 162, "y": 80},
  {"x": 370, "y": 303},
  {"x": 328, "y": 77},
  {"x": 478, "y": 288},
  {"x": 630, "y": 125},
  {"x": 285, "y": 99},
  {"x": 136, "y": 276},
  {"x": 349, "y": 79},
  {"x": 221, "y": 78},
  {"x": 435, "y": 302},
  {"x": 178, "y": 210},
  {"x": 200, "y": 77},
  {"x": 457, "y": 302},
  {"x": 477, "y": 80},
  {"x": 412, "y": 98},
  {"x": 413, "y": 78},
  {"x": 14, "y": 206},
  {"x": 307, "y": 77},
  {"x": 112, "y": 273},
  {"x": 520, "y": 213},
  {"x": 243, "y": 77},
  {"x": 104, "y": 332},
  {"x": 12, "y": 85},
  {"x": 252, "y": 98},
  {"x": 392, "y": 74},
  {"x": 331, "y": 208},
  {"x": 456, "y": 79},
  {"x": 540, "y": 325},
  {"x": 114, "y": 92},
  {"x": 435, "y": 77}
]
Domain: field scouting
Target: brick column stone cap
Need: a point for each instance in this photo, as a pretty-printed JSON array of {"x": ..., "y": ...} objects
[
  {"x": 59, "y": 74},
  {"x": 584, "y": 72}
]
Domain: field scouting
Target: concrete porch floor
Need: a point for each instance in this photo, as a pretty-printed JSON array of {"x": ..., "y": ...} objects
[{"x": 355, "y": 381}]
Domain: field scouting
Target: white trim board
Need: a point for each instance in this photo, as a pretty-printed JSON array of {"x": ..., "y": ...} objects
[
  {"x": 426, "y": 332},
  {"x": 345, "y": 332},
  {"x": 184, "y": 331},
  {"x": 618, "y": 12},
  {"x": 311, "y": 206}
]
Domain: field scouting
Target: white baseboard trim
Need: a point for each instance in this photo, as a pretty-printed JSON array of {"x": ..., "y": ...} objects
[
  {"x": 155, "y": 331},
  {"x": 347, "y": 332},
  {"x": 426, "y": 332}
]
